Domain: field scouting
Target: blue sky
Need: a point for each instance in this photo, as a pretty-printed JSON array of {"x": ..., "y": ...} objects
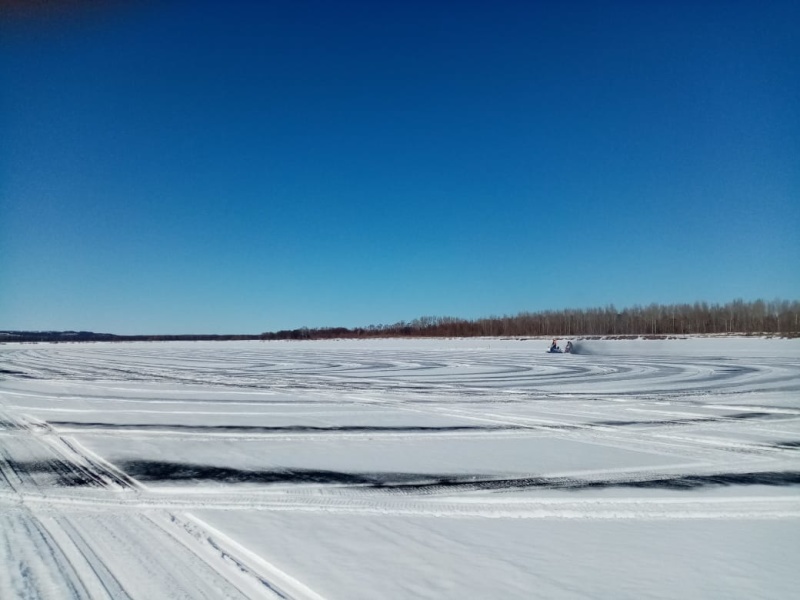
[{"x": 210, "y": 167}]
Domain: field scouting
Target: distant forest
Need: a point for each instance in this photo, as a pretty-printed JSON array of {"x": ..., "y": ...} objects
[{"x": 778, "y": 317}]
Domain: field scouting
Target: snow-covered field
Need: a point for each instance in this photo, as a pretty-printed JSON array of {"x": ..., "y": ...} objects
[{"x": 479, "y": 468}]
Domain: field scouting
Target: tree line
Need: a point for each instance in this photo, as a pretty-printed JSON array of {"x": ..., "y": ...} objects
[{"x": 778, "y": 317}]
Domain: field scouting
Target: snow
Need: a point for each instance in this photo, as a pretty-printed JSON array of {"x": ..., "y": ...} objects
[
  {"x": 469, "y": 557},
  {"x": 455, "y": 468}
]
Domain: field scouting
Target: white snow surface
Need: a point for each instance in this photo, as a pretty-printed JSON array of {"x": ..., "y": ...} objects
[{"x": 454, "y": 468}]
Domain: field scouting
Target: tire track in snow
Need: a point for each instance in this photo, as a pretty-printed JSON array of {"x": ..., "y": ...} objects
[
  {"x": 267, "y": 575},
  {"x": 387, "y": 368},
  {"x": 34, "y": 565},
  {"x": 66, "y": 555}
]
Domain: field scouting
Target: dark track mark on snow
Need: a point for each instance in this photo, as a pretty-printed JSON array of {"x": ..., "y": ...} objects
[
  {"x": 682, "y": 482},
  {"x": 787, "y": 445},
  {"x": 147, "y": 470},
  {"x": 61, "y": 473},
  {"x": 734, "y": 417},
  {"x": 427, "y": 483},
  {"x": 686, "y": 482},
  {"x": 281, "y": 429},
  {"x": 20, "y": 374}
]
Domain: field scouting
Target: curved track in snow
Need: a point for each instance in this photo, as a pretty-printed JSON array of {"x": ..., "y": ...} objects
[{"x": 468, "y": 369}]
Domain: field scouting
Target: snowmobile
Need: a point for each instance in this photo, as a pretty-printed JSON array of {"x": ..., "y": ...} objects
[{"x": 556, "y": 349}]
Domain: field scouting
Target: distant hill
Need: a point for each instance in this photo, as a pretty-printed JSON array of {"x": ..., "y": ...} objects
[{"x": 90, "y": 336}]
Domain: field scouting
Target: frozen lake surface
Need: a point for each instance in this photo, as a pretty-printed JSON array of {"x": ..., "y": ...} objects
[{"x": 466, "y": 468}]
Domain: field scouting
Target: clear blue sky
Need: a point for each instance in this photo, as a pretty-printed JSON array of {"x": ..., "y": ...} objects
[{"x": 238, "y": 167}]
